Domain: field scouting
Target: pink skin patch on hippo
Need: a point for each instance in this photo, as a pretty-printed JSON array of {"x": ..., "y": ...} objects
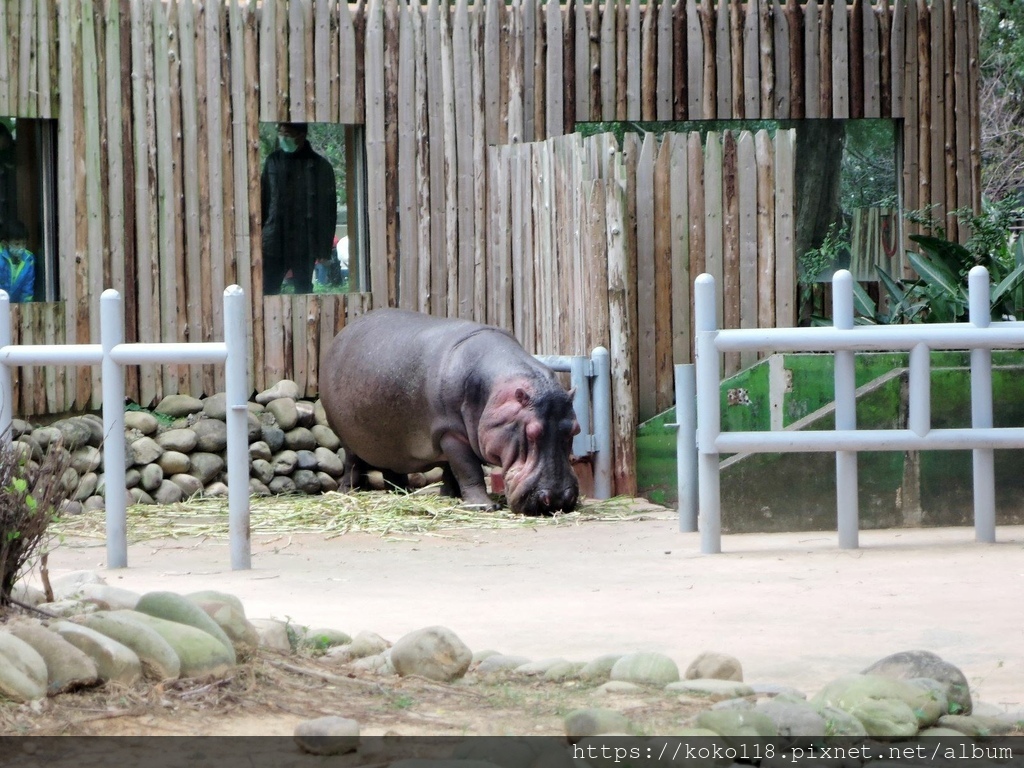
[{"x": 500, "y": 439}]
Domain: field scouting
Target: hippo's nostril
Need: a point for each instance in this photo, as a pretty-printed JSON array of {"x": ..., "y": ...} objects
[
  {"x": 544, "y": 497},
  {"x": 569, "y": 499}
]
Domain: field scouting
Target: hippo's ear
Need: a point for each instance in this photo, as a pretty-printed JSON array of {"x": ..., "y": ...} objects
[
  {"x": 523, "y": 397},
  {"x": 571, "y": 393}
]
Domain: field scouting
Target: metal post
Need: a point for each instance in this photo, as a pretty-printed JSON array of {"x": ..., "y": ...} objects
[
  {"x": 919, "y": 420},
  {"x": 601, "y": 419},
  {"x": 686, "y": 446},
  {"x": 983, "y": 459},
  {"x": 236, "y": 372},
  {"x": 578, "y": 370},
  {"x": 116, "y": 494},
  {"x": 709, "y": 415},
  {"x": 6, "y": 382},
  {"x": 847, "y": 501}
]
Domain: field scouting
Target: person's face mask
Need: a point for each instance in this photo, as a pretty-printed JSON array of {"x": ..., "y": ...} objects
[
  {"x": 288, "y": 143},
  {"x": 16, "y": 248}
]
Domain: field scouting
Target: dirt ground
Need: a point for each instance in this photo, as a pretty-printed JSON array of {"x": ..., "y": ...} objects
[{"x": 793, "y": 608}]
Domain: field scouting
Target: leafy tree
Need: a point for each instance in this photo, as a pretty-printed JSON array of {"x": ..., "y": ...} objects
[{"x": 1002, "y": 97}]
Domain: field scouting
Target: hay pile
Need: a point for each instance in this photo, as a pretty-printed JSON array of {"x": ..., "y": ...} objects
[{"x": 334, "y": 514}]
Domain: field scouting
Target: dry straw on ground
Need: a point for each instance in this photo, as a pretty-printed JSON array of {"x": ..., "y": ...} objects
[{"x": 334, "y": 514}]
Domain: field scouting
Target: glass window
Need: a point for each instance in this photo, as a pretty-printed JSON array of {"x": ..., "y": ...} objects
[
  {"x": 28, "y": 221},
  {"x": 313, "y": 208}
]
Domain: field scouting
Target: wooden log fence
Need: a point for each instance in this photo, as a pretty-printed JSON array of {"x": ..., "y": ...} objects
[{"x": 158, "y": 102}]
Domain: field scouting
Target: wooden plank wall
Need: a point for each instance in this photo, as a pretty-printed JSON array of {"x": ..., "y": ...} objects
[
  {"x": 601, "y": 264},
  {"x": 158, "y": 101}
]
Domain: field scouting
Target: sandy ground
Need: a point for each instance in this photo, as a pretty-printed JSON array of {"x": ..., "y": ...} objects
[{"x": 793, "y": 608}]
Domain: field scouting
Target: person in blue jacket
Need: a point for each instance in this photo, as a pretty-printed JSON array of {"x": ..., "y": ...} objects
[{"x": 17, "y": 263}]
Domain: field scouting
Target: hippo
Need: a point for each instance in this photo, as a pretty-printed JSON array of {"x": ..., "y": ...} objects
[{"x": 406, "y": 392}]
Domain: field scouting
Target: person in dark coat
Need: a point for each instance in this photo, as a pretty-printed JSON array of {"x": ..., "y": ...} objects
[{"x": 299, "y": 210}]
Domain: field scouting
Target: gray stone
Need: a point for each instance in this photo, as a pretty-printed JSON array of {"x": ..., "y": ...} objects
[
  {"x": 253, "y": 427},
  {"x": 94, "y": 504},
  {"x": 255, "y": 488},
  {"x": 500, "y": 664},
  {"x": 325, "y": 437},
  {"x": 145, "y": 450},
  {"x": 797, "y": 721},
  {"x": 46, "y": 436},
  {"x": 143, "y": 421},
  {"x": 262, "y": 470},
  {"x": 216, "y": 406},
  {"x": 887, "y": 707},
  {"x": 284, "y": 462},
  {"x": 23, "y": 674},
  {"x": 139, "y": 496},
  {"x": 307, "y": 413},
  {"x": 86, "y": 486},
  {"x": 131, "y": 478},
  {"x": 169, "y": 493},
  {"x": 910, "y": 664},
  {"x": 216, "y": 596},
  {"x": 229, "y": 615},
  {"x": 28, "y": 449},
  {"x": 190, "y": 486},
  {"x": 159, "y": 660},
  {"x": 75, "y": 433},
  {"x": 284, "y": 388},
  {"x": 177, "y": 406},
  {"x": 600, "y": 668},
  {"x": 273, "y": 634},
  {"x": 978, "y": 726},
  {"x": 840, "y": 723},
  {"x": 200, "y": 653},
  {"x": 151, "y": 477},
  {"x": 273, "y": 436},
  {"x": 327, "y": 483},
  {"x": 285, "y": 414},
  {"x": 282, "y": 485},
  {"x": 327, "y": 735},
  {"x": 180, "y": 440},
  {"x": 260, "y": 450},
  {"x": 305, "y": 459},
  {"x": 110, "y": 598},
  {"x": 174, "y": 607},
  {"x": 205, "y": 466},
  {"x": 362, "y": 645},
  {"x": 211, "y": 435},
  {"x": 220, "y": 489},
  {"x": 645, "y": 667},
  {"x": 378, "y": 664},
  {"x": 538, "y": 668},
  {"x": 66, "y": 666},
  {"x": 19, "y": 427},
  {"x": 69, "y": 480},
  {"x": 566, "y": 670},
  {"x": 299, "y": 439},
  {"x": 70, "y": 584},
  {"x": 174, "y": 462},
  {"x": 328, "y": 461},
  {"x": 322, "y": 638},
  {"x": 86, "y": 459},
  {"x": 70, "y": 608},
  {"x": 320, "y": 415},
  {"x": 718, "y": 666},
  {"x": 734, "y": 724},
  {"x": 594, "y": 721},
  {"x": 435, "y": 653},
  {"x": 95, "y": 426},
  {"x": 306, "y": 481},
  {"x": 115, "y": 662},
  {"x": 27, "y": 594},
  {"x": 716, "y": 690}
]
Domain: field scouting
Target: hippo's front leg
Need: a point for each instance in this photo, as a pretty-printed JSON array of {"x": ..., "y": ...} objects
[{"x": 467, "y": 471}]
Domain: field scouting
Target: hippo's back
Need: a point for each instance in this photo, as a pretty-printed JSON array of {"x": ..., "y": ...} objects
[{"x": 381, "y": 382}]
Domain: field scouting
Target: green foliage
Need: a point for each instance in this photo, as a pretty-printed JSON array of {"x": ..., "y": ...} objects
[
  {"x": 815, "y": 262},
  {"x": 869, "y": 164},
  {"x": 30, "y": 497},
  {"x": 940, "y": 293}
]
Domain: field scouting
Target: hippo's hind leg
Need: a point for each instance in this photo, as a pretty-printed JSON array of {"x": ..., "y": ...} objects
[
  {"x": 353, "y": 475},
  {"x": 395, "y": 481}
]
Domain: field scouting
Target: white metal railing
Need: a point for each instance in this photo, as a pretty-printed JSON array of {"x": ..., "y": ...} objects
[
  {"x": 980, "y": 336},
  {"x": 113, "y": 354}
]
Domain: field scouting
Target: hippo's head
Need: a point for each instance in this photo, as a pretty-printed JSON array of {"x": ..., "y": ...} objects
[{"x": 528, "y": 429}]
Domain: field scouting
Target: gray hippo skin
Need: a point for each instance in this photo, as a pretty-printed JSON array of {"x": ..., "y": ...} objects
[{"x": 406, "y": 392}]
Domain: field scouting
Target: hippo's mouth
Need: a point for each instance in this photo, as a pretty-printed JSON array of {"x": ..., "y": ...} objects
[{"x": 536, "y": 499}]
